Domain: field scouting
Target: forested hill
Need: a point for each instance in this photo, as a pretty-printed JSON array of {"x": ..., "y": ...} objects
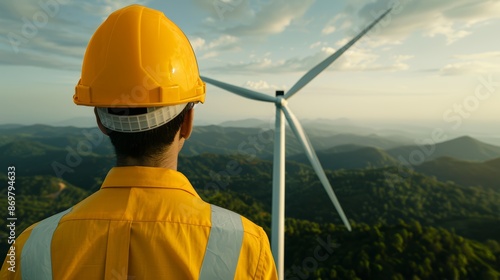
[
  {"x": 413, "y": 226},
  {"x": 437, "y": 220}
]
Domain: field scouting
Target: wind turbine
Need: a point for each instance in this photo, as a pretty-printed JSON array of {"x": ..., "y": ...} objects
[{"x": 282, "y": 110}]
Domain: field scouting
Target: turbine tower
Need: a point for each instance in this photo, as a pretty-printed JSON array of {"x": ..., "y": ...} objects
[{"x": 282, "y": 112}]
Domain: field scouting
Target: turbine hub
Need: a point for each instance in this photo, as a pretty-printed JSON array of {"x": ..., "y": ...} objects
[{"x": 280, "y": 101}]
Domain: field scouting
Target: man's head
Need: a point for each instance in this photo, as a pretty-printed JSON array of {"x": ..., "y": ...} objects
[{"x": 141, "y": 74}]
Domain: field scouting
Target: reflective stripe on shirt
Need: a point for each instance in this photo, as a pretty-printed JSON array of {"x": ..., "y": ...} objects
[
  {"x": 224, "y": 245},
  {"x": 36, "y": 260},
  {"x": 220, "y": 261}
]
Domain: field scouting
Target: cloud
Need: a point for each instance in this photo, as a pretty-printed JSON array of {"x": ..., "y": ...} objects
[
  {"x": 213, "y": 48},
  {"x": 443, "y": 26},
  {"x": 103, "y": 8},
  {"x": 357, "y": 59},
  {"x": 42, "y": 33},
  {"x": 450, "y": 19},
  {"x": 262, "y": 85},
  {"x": 210, "y": 55},
  {"x": 38, "y": 59},
  {"x": 399, "y": 62},
  {"x": 255, "y": 18},
  {"x": 223, "y": 42},
  {"x": 197, "y": 43},
  {"x": 470, "y": 64},
  {"x": 315, "y": 45},
  {"x": 51, "y": 33},
  {"x": 330, "y": 27}
]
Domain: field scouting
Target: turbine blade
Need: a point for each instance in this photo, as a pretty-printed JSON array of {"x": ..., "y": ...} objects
[
  {"x": 240, "y": 91},
  {"x": 313, "y": 158},
  {"x": 309, "y": 76}
]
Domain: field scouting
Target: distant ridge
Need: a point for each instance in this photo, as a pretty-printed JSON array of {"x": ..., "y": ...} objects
[
  {"x": 462, "y": 148},
  {"x": 351, "y": 157},
  {"x": 372, "y": 140},
  {"x": 246, "y": 123},
  {"x": 344, "y": 148},
  {"x": 9, "y": 126},
  {"x": 26, "y": 148},
  {"x": 464, "y": 172},
  {"x": 78, "y": 122},
  {"x": 41, "y": 130}
]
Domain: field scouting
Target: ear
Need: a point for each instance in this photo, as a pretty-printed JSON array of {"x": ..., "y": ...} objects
[
  {"x": 99, "y": 123},
  {"x": 187, "y": 124}
]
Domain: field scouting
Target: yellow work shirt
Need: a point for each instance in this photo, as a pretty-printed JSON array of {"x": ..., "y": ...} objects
[{"x": 144, "y": 223}]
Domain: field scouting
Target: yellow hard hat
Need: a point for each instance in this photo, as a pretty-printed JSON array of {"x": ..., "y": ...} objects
[{"x": 139, "y": 58}]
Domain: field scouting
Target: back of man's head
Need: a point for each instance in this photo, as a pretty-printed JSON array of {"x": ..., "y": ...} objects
[{"x": 145, "y": 144}]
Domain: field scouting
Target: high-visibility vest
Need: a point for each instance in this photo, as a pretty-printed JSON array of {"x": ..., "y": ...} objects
[{"x": 221, "y": 255}]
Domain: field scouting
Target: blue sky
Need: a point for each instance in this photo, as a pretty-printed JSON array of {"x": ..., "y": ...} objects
[{"x": 427, "y": 61}]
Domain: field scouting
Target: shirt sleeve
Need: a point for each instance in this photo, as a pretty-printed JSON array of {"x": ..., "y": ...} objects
[{"x": 266, "y": 269}]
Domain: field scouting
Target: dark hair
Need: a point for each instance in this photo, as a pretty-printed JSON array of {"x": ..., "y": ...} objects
[{"x": 145, "y": 144}]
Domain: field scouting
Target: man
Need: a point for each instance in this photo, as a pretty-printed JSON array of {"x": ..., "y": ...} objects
[{"x": 147, "y": 221}]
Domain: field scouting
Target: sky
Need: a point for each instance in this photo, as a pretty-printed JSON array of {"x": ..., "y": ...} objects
[{"x": 427, "y": 61}]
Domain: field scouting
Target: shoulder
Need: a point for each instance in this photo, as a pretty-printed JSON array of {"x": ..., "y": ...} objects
[
  {"x": 252, "y": 229},
  {"x": 222, "y": 217}
]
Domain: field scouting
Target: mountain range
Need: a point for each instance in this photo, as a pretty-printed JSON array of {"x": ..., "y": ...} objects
[
  {"x": 438, "y": 219},
  {"x": 464, "y": 148},
  {"x": 41, "y": 148}
]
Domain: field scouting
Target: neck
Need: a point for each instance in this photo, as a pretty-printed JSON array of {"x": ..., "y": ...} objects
[
  {"x": 165, "y": 159},
  {"x": 167, "y": 163}
]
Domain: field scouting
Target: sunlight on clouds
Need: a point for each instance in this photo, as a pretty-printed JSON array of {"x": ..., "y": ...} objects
[
  {"x": 452, "y": 19},
  {"x": 262, "y": 85},
  {"x": 224, "y": 41},
  {"x": 399, "y": 62},
  {"x": 474, "y": 12},
  {"x": 210, "y": 55},
  {"x": 212, "y": 49},
  {"x": 331, "y": 26},
  {"x": 357, "y": 59},
  {"x": 256, "y": 18},
  {"x": 279, "y": 40},
  {"x": 197, "y": 43},
  {"x": 445, "y": 27},
  {"x": 315, "y": 45},
  {"x": 34, "y": 37},
  {"x": 328, "y": 30},
  {"x": 266, "y": 21},
  {"x": 342, "y": 42}
]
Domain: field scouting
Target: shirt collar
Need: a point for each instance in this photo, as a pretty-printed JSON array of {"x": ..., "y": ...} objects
[{"x": 147, "y": 177}]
